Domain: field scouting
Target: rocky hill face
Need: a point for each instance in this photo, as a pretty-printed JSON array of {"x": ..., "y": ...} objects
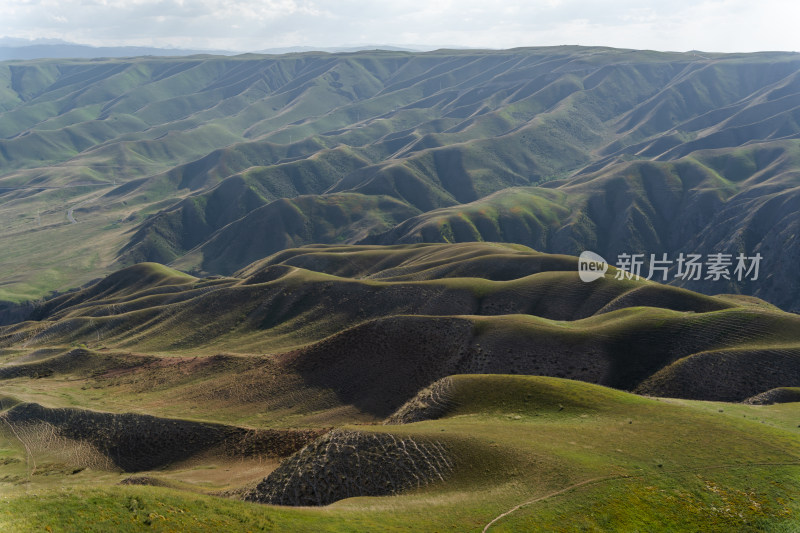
[{"x": 346, "y": 464}]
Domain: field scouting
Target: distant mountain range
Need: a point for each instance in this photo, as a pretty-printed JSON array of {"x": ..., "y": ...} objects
[
  {"x": 16, "y": 49},
  {"x": 21, "y": 49},
  {"x": 348, "y": 49},
  {"x": 210, "y": 163}
]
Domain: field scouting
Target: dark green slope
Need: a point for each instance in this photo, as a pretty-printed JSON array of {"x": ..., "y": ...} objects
[{"x": 171, "y": 233}]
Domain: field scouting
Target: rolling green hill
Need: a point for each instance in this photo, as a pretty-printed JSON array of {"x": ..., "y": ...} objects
[{"x": 373, "y": 325}]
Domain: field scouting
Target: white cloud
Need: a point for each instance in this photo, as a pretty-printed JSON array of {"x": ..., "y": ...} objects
[{"x": 713, "y": 25}]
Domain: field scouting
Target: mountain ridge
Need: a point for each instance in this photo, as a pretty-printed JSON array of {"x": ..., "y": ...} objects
[{"x": 158, "y": 158}]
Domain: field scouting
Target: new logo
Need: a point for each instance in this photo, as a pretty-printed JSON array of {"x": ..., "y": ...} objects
[{"x": 591, "y": 266}]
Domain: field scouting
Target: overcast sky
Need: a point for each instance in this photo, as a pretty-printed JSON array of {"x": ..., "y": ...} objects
[{"x": 246, "y": 25}]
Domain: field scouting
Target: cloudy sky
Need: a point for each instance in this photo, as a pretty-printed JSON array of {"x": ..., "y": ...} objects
[{"x": 242, "y": 25}]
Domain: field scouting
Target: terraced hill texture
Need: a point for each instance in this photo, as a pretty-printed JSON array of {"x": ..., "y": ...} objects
[{"x": 209, "y": 163}]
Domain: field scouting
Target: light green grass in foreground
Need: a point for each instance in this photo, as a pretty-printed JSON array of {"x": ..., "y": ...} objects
[{"x": 650, "y": 464}]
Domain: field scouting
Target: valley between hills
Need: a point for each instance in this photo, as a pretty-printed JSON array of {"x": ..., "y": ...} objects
[{"x": 338, "y": 292}]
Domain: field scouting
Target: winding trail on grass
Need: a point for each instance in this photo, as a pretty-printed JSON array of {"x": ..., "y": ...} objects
[
  {"x": 604, "y": 479},
  {"x": 544, "y": 497}
]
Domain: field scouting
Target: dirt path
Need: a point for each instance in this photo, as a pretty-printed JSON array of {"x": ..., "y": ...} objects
[
  {"x": 71, "y": 209},
  {"x": 556, "y": 493},
  {"x": 605, "y": 479},
  {"x": 70, "y": 217}
]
